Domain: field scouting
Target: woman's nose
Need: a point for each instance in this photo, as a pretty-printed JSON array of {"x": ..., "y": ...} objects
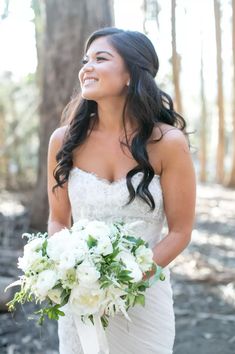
[{"x": 87, "y": 66}]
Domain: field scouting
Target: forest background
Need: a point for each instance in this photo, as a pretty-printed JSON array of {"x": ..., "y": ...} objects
[{"x": 42, "y": 44}]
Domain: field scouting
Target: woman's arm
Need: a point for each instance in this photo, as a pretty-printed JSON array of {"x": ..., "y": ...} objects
[
  {"x": 59, "y": 204},
  {"x": 179, "y": 194}
]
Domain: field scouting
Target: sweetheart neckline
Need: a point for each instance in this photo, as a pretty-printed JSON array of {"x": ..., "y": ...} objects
[{"x": 105, "y": 180}]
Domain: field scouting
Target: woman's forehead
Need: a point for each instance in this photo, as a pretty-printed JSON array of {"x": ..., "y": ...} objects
[{"x": 100, "y": 45}]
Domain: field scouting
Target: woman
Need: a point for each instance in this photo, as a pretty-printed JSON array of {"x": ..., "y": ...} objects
[{"x": 124, "y": 155}]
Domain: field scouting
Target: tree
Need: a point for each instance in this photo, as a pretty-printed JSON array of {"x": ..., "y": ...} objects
[
  {"x": 220, "y": 96},
  {"x": 203, "y": 127},
  {"x": 175, "y": 61},
  {"x": 68, "y": 24},
  {"x": 232, "y": 176}
]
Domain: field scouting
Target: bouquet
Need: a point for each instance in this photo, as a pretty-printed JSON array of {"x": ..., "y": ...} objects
[{"x": 97, "y": 269}]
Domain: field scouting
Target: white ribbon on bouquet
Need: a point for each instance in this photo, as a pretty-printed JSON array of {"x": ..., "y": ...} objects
[{"x": 92, "y": 337}]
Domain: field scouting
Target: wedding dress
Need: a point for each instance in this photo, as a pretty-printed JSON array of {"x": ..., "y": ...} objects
[{"x": 152, "y": 327}]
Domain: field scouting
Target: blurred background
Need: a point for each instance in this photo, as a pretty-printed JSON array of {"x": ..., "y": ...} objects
[{"x": 42, "y": 46}]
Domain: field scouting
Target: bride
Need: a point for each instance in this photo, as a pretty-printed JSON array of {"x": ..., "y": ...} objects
[{"x": 124, "y": 155}]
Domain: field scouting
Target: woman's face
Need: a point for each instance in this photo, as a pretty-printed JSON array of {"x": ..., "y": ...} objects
[{"x": 106, "y": 70}]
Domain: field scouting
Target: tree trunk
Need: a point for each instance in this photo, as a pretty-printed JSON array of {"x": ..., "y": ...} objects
[
  {"x": 203, "y": 128},
  {"x": 175, "y": 61},
  {"x": 220, "y": 97},
  {"x": 232, "y": 176},
  {"x": 68, "y": 24}
]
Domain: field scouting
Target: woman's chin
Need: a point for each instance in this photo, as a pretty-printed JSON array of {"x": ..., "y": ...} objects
[{"x": 88, "y": 96}]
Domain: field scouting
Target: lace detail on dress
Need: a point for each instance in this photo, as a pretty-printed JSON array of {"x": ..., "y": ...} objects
[{"x": 93, "y": 197}]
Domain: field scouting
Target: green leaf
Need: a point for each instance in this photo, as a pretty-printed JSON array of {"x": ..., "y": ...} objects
[
  {"x": 140, "y": 299},
  {"x": 44, "y": 248},
  {"x": 91, "y": 242}
]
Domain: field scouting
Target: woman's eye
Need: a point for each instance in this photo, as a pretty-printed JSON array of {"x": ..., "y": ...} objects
[{"x": 100, "y": 58}]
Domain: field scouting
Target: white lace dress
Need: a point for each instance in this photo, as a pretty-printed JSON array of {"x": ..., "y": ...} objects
[{"x": 152, "y": 330}]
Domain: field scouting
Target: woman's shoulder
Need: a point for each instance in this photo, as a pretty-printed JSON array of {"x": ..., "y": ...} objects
[
  {"x": 168, "y": 135},
  {"x": 58, "y": 135}
]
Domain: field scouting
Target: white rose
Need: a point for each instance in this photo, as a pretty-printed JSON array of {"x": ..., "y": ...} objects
[
  {"x": 45, "y": 282},
  {"x": 55, "y": 295},
  {"x": 86, "y": 301},
  {"x": 104, "y": 245},
  {"x": 79, "y": 225},
  {"x": 97, "y": 229},
  {"x": 129, "y": 260},
  {"x": 144, "y": 257},
  {"x": 57, "y": 243},
  {"x": 87, "y": 274}
]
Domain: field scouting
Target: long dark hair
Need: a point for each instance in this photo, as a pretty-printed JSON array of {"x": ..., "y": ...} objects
[{"x": 144, "y": 101}]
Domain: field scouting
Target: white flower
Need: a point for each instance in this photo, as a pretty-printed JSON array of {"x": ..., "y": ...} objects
[
  {"x": 55, "y": 295},
  {"x": 86, "y": 301},
  {"x": 68, "y": 278},
  {"x": 101, "y": 232},
  {"x": 34, "y": 246},
  {"x": 129, "y": 260},
  {"x": 144, "y": 257},
  {"x": 104, "y": 246},
  {"x": 79, "y": 225},
  {"x": 67, "y": 260},
  {"x": 29, "y": 261},
  {"x": 78, "y": 247},
  {"x": 87, "y": 274},
  {"x": 97, "y": 229},
  {"x": 113, "y": 301},
  {"x": 57, "y": 244},
  {"x": 45, "y": 282}
]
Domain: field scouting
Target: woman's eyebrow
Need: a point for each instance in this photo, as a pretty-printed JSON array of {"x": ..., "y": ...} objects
[{"x": 101, "y": 51}]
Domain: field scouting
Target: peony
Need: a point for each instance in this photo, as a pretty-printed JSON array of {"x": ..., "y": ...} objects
[
  {"x": 144, "y": 258},
  {"x": 29, "y": 261},
  {"x": 79, "y": 247},
  {"x": 79, "y": 225},
  {"x": 97, "y": 229},
  {"x": 34, "y": 246},
  {"x": 129, "y": 260},
  {"x": 86, "y": 301},
  {"x": 57, "y": 243},
  {"x": 45, "y": 282},
  {"x": 104, "y": 246},
  {"x": 100, "y": 232},
  {"x": 67, "y": 260},
  {"x": 87, "y": 274}
]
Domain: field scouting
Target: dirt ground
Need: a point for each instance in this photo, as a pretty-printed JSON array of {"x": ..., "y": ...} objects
[{"x": 203, "y": 280}]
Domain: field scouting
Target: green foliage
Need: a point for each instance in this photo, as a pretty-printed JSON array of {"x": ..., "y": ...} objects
[
  {"x": 53, "y": 313},
  {"x": 91, "y": 242},
  {"x": 20, "y": 297}
]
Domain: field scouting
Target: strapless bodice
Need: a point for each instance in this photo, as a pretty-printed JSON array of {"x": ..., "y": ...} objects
[{"x": 93, "y": 197}]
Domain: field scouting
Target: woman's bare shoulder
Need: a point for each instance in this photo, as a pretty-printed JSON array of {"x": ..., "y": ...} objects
[
  {"x": 59, "y": 134},
  {"x": 169, "y": 135}
]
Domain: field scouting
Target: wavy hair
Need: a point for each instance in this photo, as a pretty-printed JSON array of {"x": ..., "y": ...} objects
[{"x": 144, "y": 101}]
